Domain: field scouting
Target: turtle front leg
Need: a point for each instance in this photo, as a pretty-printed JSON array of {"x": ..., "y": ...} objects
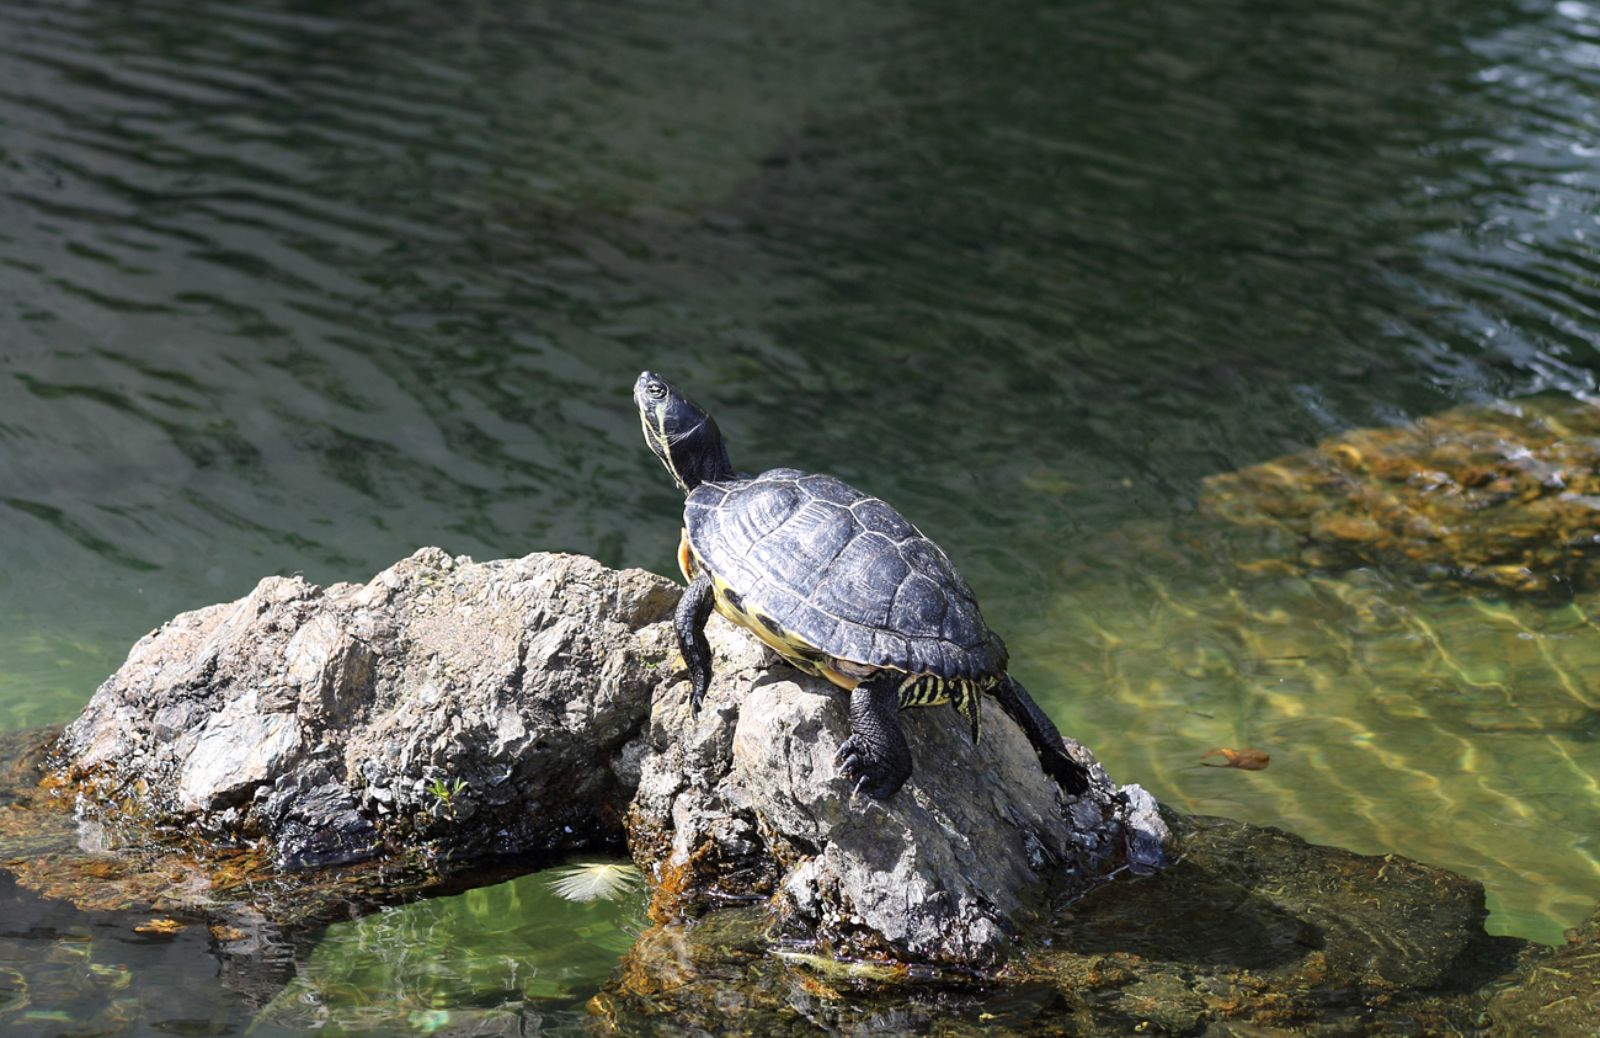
[
  {"x": 875, "y": 756},
  {"x": 694, "y": 608}
]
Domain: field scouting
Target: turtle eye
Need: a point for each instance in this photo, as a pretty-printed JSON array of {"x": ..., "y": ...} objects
[{"x": 655, "y": 390}]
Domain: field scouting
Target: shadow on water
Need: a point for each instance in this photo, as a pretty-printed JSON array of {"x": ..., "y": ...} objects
[
  {"x": 506, "y": 959},
  {"x": 66, "y": 971},
  {"x": 1202, "y": 920}
]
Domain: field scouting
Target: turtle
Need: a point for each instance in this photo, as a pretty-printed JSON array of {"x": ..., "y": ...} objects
[{"x": 842, "y": 587}]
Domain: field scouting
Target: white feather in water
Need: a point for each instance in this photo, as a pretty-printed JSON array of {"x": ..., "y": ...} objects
[{"x": 596, "y": 881}]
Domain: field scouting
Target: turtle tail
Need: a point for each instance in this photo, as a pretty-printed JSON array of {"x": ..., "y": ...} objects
[{"x": 1041, "y": 731}]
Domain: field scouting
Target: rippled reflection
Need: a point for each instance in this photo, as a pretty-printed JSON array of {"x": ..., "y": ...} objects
[{"x": 299, "y": 287}]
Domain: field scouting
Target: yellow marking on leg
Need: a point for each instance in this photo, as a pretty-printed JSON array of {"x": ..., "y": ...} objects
[
  {"x": 967, "y": 699},
  {"x": 923, "y": 690}
]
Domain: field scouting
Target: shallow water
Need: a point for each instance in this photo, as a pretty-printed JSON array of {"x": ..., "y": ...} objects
[
  {"x": 425, "y": 966},
  {"x": 299, "y": 287}
]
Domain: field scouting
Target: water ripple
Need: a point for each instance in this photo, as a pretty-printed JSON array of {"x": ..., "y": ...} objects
[{"x": 293, "y": 288}]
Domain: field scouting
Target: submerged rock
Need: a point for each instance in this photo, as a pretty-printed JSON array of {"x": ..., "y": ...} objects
[
  {"x": 1252, "y": 932},
  {"x": 473, "y": 709},
  {"x": 1505, "y": 495},
  {"x": 1558, "y": 995}
]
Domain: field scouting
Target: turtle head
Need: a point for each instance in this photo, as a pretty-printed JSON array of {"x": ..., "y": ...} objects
[{"x": 683, "y": 436}]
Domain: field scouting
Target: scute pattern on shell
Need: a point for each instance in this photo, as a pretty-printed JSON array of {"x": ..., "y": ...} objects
[{"x": 843, "y": 571}]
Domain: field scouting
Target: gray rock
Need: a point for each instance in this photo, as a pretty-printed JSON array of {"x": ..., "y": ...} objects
[
  {"x": 745, "y": 800},
  {"x": 236, "y": 750},
  {"x": 484, "y": 709},
  {"x": 473, "y": 708}
]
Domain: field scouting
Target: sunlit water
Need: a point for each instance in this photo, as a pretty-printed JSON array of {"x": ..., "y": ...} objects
[{"x": 301, "y": 287}]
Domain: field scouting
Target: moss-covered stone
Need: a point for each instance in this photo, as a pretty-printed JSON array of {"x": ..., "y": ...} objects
[
  {"x": 1560, "y": 995},
  {"x": 1505, "y": 495}
]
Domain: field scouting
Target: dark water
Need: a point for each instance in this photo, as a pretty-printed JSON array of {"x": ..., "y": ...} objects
[{"x": 299, "y": 287}]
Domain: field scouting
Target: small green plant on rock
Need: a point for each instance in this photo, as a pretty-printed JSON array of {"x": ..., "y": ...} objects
[{"x": 444, "y": 796}]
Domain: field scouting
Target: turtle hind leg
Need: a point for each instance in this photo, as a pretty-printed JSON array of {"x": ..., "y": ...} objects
[
  {"x": 689, "y": 621},
  {"x": 1041, "y": 731},
  {"x": 875, "y": 757}
]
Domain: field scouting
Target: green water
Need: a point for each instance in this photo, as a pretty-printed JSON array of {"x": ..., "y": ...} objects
[
  {"x": 299, "y": 287},
  {"x": 487, "y": 959}
]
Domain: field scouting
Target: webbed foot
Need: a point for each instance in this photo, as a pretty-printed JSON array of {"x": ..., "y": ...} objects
[
  {"x": 874, "y": 775},
  {"x": 875, "y": 757}
]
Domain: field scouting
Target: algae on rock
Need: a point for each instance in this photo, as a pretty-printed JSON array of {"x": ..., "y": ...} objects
[{"x": 1505, "y": 495}]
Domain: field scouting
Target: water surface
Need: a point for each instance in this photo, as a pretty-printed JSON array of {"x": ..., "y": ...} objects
[{"x": 299, "y": 287}]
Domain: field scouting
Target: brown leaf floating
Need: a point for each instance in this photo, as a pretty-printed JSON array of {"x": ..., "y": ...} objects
[{"x": 1246, "y": 760}]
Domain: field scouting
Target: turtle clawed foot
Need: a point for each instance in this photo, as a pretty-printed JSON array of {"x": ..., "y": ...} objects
[
  {"x": 697, "y": 698},
  {"x": 876, "y": 776},
  {"x": 1072, "y": 776}
]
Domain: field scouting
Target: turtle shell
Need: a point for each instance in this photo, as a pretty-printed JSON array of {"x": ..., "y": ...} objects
[{"x": 842, "y": 572}]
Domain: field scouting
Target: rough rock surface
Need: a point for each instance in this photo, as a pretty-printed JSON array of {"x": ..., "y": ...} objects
[
  {"x": 745, "y": 800},
  {"x": 475, "y": 708},
  {"x": 483, "y": 709},
  {"x": 487, "y": 709},
  {"x": 1251, "y": 932}
]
